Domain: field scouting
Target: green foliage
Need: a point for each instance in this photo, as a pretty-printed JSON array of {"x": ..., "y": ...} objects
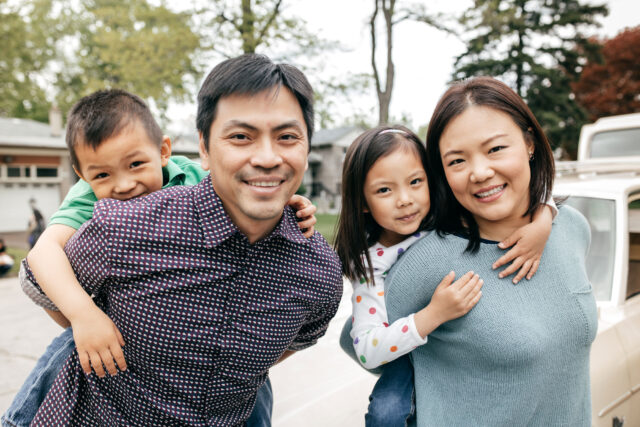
[
  {"x": 326, "y": 226},
  {"x": 18, "y": 255},
  {"x": 537, "y": 46},
  {"x": 148, "y": 50}
]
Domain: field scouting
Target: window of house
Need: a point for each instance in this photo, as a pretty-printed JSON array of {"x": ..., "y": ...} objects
[{"x": 46, "y": 172}]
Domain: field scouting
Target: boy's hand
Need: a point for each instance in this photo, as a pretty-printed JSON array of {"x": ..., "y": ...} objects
[
  {"x": 449, "y": 301},
  {"x": 305, "y": 211},
  {"x": 529, "y": 241},
  {"x": 98, "y": 342}
]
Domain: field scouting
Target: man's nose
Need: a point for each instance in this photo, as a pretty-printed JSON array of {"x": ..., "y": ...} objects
[{"x": 265, "y": 154}]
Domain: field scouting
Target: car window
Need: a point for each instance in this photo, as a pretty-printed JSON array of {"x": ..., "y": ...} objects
[
  {"x": 616, "y": 143},
  {"x": 633, "y": 278},
  {"x": 600, "y": 260}
]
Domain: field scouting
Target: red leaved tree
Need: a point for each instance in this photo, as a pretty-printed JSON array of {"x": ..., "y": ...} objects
[{"x": 613, "y": 86}]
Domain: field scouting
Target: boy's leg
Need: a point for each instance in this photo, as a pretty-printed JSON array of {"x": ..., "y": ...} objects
[
  {"x": 261, "y": 415},
  {"x": 28, "y": 399},
  {"x": 391, "y": 402}
]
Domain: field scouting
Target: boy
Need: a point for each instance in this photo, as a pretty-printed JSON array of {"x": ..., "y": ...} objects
[{"x": 119, "y": 151}]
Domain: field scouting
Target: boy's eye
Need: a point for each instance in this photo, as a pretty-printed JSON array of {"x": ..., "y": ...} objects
[
  {"x": 101, "y": 175},
  {"x": 136, "y": 164}
]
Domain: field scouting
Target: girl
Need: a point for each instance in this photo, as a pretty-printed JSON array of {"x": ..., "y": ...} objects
[{"x": 385, "y": 202}]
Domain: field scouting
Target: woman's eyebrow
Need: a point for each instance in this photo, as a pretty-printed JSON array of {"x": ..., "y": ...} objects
[{"x": 485, "y": 142}]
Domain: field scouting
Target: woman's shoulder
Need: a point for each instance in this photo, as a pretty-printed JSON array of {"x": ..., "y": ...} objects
[{"x": 573, "y": 226}]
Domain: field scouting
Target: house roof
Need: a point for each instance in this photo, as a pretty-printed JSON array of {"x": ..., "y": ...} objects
[
  {"x": 329, "y": 136},
  {"x": 28, "y": 133}
]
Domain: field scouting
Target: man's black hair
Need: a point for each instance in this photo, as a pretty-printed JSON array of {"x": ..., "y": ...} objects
[
  {"x": 251, "y": 74},
  {"x": 104, "y": 114}
]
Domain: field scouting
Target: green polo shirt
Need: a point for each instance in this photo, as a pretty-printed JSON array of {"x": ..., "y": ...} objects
[{"x": 77, "y": 206}]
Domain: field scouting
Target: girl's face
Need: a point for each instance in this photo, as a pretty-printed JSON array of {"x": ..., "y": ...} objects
[
  {"x": 397, "y": 194},
  {"x": 486, "y": 162}
]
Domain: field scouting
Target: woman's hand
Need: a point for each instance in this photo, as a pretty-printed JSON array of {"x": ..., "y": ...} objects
[
  {"x": 529, "y": 241},
  {"x": 305, "y": 212}
]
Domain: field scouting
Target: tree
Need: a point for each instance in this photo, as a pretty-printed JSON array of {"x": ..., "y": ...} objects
[
  {"x": 25, "y": 30},
  {"x": 148, "y": 50},
  {"x": 612, "y": 86},
  {"x": 391, "y": 18},
  {"x": 538, "y": 47}
]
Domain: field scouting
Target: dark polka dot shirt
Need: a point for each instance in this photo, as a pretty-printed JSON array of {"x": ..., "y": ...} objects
[{"x": 203, "y": 312}]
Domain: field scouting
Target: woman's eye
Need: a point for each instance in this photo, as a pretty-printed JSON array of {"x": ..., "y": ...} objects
[
  {"x": 416, "y": 181},
  {"x": 455, "y": 162},
  {"x": 496, "y": 148}
]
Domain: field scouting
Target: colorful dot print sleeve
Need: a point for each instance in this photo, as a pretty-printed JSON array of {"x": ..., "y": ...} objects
[{"x": 376, "y": 341}]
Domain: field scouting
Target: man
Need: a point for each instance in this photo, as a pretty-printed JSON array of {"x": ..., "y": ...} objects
[{"x": 209, "y": 285}]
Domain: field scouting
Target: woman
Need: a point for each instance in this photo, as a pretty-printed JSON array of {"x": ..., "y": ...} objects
[{"x": 521, "y": 355}]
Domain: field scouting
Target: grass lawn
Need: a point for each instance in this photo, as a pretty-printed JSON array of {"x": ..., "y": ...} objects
[
  {"x": 326, "y": 226},
  {"x": 18, "y": 255}
]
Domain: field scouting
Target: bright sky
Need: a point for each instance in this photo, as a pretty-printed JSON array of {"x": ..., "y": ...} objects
[{"x": 423, "y": 56}]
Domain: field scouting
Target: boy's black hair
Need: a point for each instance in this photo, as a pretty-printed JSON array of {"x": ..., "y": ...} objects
[
  {"x": 104, "y": 114},
  {"x": 251, "y": 74}
]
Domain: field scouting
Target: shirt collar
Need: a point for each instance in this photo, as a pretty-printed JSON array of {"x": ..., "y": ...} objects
[
  {"x": 172, "y": 175},
  {"x": 218, "y": 227}
]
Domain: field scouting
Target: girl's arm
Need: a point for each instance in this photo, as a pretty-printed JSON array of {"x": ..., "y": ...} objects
[
  {"x": 97, "y": 338},
  {"x": 376, "y": 342},
  {"x": 529, "y": 241}
]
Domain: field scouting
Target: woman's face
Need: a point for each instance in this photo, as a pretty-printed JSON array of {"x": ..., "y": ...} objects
[{"x": 486, "y": 162}]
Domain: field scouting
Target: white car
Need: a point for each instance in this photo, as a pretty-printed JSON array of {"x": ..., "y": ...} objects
[{"x": 608, "y": 195}]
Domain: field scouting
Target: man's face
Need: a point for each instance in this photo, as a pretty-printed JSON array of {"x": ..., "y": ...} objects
[{"x": 257, "y": 157}]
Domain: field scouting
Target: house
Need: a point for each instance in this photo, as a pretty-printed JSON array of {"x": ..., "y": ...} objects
[
  {"x": 35, "y": 164},
  {"x": 323, "y": 179}
]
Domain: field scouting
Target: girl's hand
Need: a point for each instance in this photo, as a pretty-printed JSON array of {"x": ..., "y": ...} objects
[
  {"x": 529, "y": 241},
  {"x": 305, "y": 212},
  {"x": 99, "y": 342},
  {"x": 449, "y": 301}
]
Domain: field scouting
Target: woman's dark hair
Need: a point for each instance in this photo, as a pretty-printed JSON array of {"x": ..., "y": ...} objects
[
  {"x": 447, "y": 214},
  {"x": 356, "y": 229}
]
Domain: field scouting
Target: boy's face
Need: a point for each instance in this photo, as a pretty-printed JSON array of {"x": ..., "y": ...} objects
[{"x": 124, "y": 166}]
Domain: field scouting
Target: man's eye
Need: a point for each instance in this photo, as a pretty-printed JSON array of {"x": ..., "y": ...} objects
[
  {"x": 239, "y": 137},
  {"x": 289, "y": 137},
  {"x": 136, "y": 164}
]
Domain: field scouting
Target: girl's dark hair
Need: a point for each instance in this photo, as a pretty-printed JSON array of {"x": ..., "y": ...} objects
[
  {"x": 447, "y": 214},
  {"x": 356, "y": 229}
]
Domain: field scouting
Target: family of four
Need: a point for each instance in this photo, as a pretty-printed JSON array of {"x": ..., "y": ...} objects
[{"x": 181, "y": 284}]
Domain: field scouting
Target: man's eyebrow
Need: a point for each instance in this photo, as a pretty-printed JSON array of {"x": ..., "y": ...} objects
[
  {"x": 237, "y": 123},
  {"x": 486, "y": 141},
  {"x": 290, "y": 124}
]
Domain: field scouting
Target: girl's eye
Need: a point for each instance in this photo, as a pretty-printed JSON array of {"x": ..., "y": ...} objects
[
  {"x": 383, "y": 190},
  {"x": 101, "y": 175},
  {"x": 136, "y": 164}
]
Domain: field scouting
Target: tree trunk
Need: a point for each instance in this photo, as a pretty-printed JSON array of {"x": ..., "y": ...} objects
[{"x": 384, "y": 95}]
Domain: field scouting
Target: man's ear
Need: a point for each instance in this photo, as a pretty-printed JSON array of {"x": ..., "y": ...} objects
[
  {"x": 165, "y": 150},
  {"x": 204, "y": 154}
]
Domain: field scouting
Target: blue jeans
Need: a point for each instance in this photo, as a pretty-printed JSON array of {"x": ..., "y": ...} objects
[
  {"x": 391, "y": 401},
  {"x": 32, "y": 393}
]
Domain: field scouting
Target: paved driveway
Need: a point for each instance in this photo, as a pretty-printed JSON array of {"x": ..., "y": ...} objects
[{"x": 318, "y": 387}]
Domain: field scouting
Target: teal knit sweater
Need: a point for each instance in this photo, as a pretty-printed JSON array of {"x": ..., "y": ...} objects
[{"x": 520, "y": 357}]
